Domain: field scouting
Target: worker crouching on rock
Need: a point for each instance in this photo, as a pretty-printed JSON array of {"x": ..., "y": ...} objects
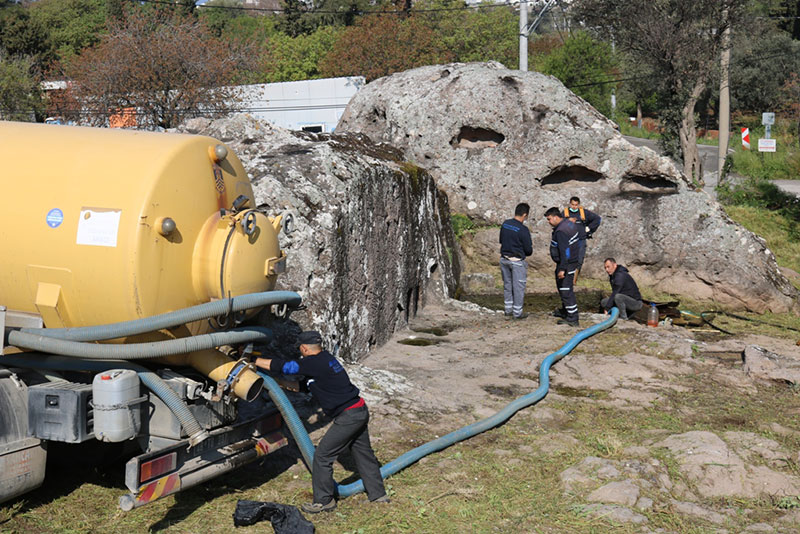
[
  {"x": 624, "y": 291},
  {"x": 329, "y": 384}
]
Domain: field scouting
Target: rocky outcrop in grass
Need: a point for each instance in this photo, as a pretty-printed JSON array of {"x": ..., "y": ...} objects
[{"x": 493, "y": 137}]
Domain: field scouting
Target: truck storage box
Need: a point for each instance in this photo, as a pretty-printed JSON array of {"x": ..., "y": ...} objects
[{"x": 60, "y": 411}]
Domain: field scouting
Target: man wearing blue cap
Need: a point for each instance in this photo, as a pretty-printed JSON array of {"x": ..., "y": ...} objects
[{"x": 329, "y": 384}]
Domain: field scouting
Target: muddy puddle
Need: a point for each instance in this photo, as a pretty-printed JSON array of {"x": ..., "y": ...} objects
[{"x": 588, "y": 301}]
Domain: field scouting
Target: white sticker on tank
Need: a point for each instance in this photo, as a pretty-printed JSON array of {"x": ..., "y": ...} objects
[{"x": 98, "y": 226}]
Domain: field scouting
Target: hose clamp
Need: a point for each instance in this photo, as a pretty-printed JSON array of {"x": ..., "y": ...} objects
[{"x": 236, "y": 373}]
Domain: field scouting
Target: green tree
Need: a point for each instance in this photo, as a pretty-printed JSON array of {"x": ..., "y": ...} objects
[
  {"x": 22, "y": 36},
  {"x": 217, "y": 15},
  {"x": 789, "y": 13},
  {"x": 255, "y": 30},
  {"x": 584, "y": 65},
  {"x": 297, "y": 58},
  {"x": 636, "y": 94},
  {"x": 680, "y": 40},
  {"x": 761, "y": 66},
  {"x": 301, "y": 17},
  {"x": 490, "y": 34},
  {"x": 72, "y": 25},
  {"x": 20, "y": 97}
]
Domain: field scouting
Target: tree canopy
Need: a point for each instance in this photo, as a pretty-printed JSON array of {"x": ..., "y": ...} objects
[
  {"x": 167, "y": 68},
  {"x": 666, "y": 50},
  {"x": 584, "y": 65},
  {"x": 680, "y": 41},
  {"x": 20, "y": 98}
]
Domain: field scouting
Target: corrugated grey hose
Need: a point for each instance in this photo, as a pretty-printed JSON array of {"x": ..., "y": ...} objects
[
  {"x": 150, "y": 379},
  {"x": 170, "y": 319},
  {"x": 135, "y": 351}
]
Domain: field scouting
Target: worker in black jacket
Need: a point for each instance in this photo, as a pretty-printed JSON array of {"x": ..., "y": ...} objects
[
  {"x": 329, "y": 384},
  {"x": 515, "y": 246},
  {"x": 588, "y": 222},
  {"x": 624, "y": 291},
  {"x": 564, "y": 252}
]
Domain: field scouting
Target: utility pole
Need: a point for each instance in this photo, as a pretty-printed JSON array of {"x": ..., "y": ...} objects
[
  {"x": 724, "y": 97},
  {"x": 523, "y": 35},
  {"x": 613, "y": 88},
  {"x": 526, "y": 29}
]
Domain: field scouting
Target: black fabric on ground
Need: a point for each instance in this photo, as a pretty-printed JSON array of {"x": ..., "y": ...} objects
[{"x": 285, "y": 519}]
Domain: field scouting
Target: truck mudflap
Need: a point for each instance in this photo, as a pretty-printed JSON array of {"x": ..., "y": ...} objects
[
  {"x": 22, "y": 465},
  {"x": 156, "y": 474},
  {"x": 22, "y": 458}
]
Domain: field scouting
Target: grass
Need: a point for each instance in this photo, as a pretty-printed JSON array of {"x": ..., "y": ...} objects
[
  {"x": 776, "y": 229},
  {"x": 498, "y": 481},
  {"x": 626, "y": 128},
  {"x": 781, "y": 165}
]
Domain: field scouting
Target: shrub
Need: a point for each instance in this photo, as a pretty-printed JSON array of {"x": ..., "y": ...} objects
[{"x": 461, "y": 224}]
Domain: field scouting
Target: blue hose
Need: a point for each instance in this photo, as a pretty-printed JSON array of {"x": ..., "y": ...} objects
[
  {"x": 290, "y": 416},
  {"x": 307, "y": 448},
  {"x": 170, "y": 319},
  {"x": 135, "y": 351}
]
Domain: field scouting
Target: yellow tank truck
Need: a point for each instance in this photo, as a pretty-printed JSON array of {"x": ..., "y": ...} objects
[{"x": 128, "y": 259}]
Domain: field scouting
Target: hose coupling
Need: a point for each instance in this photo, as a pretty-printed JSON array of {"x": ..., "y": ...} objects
[
  {"x": 236, "y": 372},
  {"x": 197, "y": 437}
]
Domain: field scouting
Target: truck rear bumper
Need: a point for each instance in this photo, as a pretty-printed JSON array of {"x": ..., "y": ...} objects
[{"x": 157, "y": 474}]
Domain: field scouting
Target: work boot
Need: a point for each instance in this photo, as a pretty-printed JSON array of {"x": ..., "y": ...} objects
[
  {"x": 507, "y": 315},
  {"x": 573, "y": 324},
  {"x": 382, "y": 499},
  {"x": 559, "y": 312},
  {"x": 521, "y": 316},
  {"x": 315, "y": 507}
]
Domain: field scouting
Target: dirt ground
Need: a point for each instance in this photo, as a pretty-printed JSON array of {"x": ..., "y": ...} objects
[
  {"x": 478, "y": 361},
  {"x": 460, "y": 358}
]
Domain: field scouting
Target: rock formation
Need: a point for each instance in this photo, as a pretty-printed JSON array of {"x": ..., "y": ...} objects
[
  {"x": 371, "y": 238},
  {"x": 493, "y": 137}
]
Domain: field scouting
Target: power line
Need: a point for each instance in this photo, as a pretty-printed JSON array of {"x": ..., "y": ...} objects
[{"x": 331, "y": 12}]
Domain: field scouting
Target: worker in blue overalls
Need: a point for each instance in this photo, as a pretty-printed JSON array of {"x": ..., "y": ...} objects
[
  {"x": 564, "y": 252},
  {"x": 587, "y": 222}
]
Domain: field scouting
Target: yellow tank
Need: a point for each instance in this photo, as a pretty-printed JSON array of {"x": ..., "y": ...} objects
[{"x": 100, "y": 226}]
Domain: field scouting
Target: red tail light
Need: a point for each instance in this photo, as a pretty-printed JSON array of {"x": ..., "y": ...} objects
[{"x": 158, "y": 466}]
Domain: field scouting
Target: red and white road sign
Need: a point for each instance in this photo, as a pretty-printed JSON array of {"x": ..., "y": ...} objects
[
  {"x": 746, "y": 138},
  {"x": 767, "y": 145}
]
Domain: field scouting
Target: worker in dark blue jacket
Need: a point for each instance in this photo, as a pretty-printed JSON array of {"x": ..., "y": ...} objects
[
  {"x": 624, "y": 291},
  {"x": 587, "y": 222},
  {"x": 515, "y": 246},
  {"x": 329, "y": 384},
  {"x": 564, "y": 252}
]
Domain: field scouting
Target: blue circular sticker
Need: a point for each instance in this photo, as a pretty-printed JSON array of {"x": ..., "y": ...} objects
[{"x": 55, "y": 217}]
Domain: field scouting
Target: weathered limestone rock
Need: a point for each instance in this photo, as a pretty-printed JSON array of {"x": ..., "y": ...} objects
[
  {"x": 624, "y": 492},
  {"x": 615, "y": 514},
  {"x": 717, "y": 471},
  {"x": 692, "y": 509},
  {"x": 767, "y": 365},
  {"x": 493, "y": 137},
  {"x": 371, "y": 239}
]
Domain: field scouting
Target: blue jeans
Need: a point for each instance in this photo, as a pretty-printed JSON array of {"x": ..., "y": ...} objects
[{"x": 515, "y": 278}]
